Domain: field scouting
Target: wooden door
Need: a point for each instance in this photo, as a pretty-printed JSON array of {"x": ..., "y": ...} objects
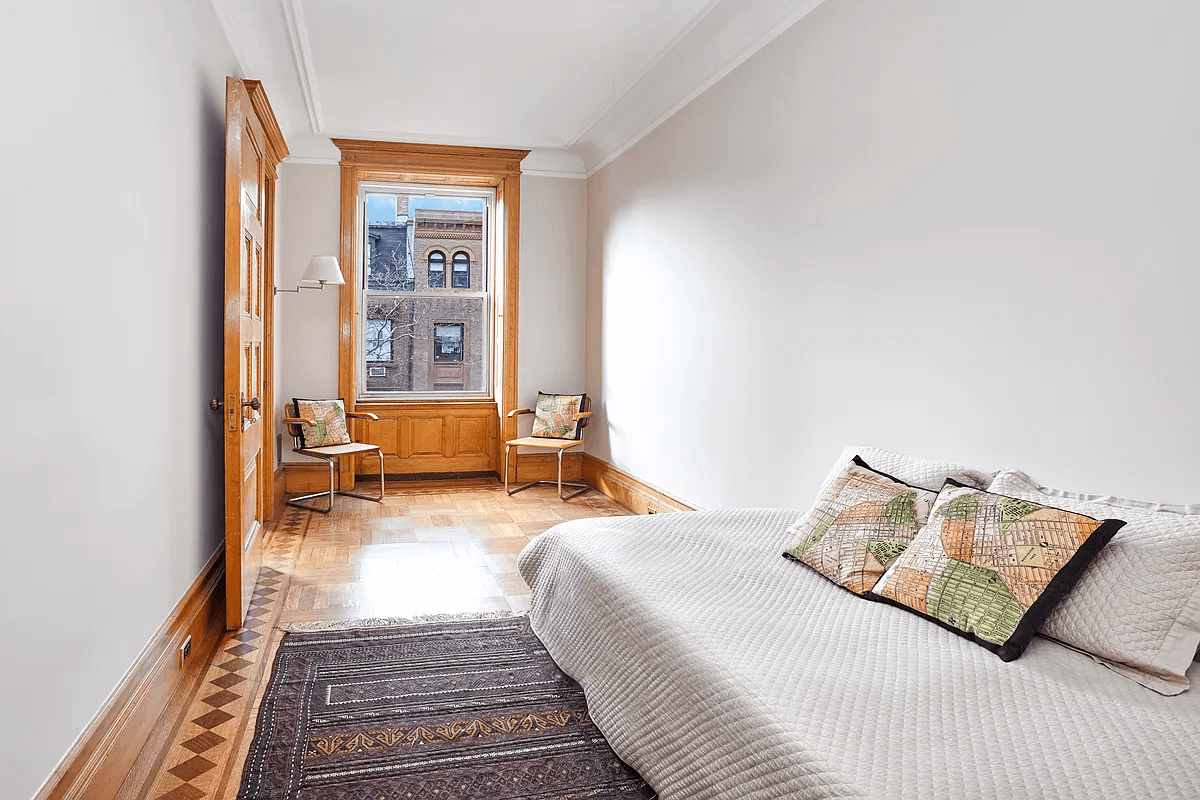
[{"x": 246, "y": 452}]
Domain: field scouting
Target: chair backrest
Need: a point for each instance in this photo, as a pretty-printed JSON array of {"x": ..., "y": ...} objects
[
  {"x": 292, "y": 410},
  {"x": 586, "y": 405}
]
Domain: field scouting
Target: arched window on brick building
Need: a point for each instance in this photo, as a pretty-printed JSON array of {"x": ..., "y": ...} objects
[
  {"x": 460, "y": 278},
  {"x": 437, "y": 269}
]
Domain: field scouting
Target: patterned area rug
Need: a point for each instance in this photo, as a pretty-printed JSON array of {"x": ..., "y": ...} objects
[{"x": 440, "y": 711}]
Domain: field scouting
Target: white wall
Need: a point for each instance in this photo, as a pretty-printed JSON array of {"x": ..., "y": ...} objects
[
  {"x": 550, "y": 341},
  {"x": 112, "y": 157},
  {"x": 961, "y": 230},
  {"x": 552, "y": 309},
  {"x": 306, "y": 349}
]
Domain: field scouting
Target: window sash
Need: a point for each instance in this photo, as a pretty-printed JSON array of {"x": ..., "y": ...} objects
[{"x": 485, "y": 294}]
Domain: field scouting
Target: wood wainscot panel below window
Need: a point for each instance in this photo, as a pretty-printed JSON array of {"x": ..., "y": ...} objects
[{"x": 420, "y": 438}]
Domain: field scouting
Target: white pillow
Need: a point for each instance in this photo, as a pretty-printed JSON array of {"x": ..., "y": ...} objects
[
  {"x": 1137, "y": 607},
  {"x": 920, "y": 472}
]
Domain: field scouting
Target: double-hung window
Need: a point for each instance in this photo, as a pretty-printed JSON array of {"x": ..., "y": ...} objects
[{"x": 433, "y": 331}]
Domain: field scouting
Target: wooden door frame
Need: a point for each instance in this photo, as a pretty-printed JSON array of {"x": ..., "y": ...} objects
[
  {"x": 249, "y": 312},
  {"x": 401, "y": 162},
  {"x": 277, "y": 151}
]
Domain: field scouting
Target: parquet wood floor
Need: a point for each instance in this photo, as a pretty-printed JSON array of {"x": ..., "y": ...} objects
[{"x": 431, "y": 548}]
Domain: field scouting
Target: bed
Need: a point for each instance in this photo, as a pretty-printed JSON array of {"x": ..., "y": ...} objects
[{"x": 718, "y": 669}]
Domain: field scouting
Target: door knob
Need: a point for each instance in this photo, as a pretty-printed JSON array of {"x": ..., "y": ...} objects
[
  {"x": 215, "y": 404},
  {"x": 256, "y": 404}
]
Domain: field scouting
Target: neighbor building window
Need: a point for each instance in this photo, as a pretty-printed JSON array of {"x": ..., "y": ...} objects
[
  {"x": 447, "y": 342},
  {"x": 460, "y": 278},
  {"x": 379, "y": 340},
  {"x": 437, "y": 270}
]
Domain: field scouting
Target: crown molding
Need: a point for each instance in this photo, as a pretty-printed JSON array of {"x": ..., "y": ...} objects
[
  {"x": 297, "y": 29},
  {"x": 311, "y": 160},
  {"x": 546, "y": 173},
  {"x": 694, "y": 40},
  {"x": 543, "y": 167},
  {"x": 645, "y": 70},
  {"x": 500, "y": 142}
]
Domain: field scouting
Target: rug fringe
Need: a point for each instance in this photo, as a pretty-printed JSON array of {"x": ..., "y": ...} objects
[{"x": 393, "y": 622}]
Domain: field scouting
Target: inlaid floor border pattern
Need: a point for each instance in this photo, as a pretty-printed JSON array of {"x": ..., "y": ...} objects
[
  {"x": 208, "y": 740},
  {"x": 307, "y": 560}
]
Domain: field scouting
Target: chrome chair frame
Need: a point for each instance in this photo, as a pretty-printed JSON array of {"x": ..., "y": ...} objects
[
  {"x": 579, "y": 486},
  {"x": 335, "y": 477}
]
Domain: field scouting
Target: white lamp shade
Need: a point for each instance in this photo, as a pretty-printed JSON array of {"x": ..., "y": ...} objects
[{"x": 323, "y": 269}]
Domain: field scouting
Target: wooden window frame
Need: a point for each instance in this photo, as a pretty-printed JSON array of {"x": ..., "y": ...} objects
[{"x": 480, "y": 167}]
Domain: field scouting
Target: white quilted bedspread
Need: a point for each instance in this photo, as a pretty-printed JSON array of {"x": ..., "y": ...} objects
[{"x": 718, "y": 669}]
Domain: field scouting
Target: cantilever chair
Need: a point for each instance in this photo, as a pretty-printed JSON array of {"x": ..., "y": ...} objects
[
  {"x": 338, "y": 446},
  {"x": 577, "y": 420}
]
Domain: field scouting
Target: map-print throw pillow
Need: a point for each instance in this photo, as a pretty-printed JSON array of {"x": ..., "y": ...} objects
[
  {"x": 330, "y": 416},
  {"x": 991, "y": 568},
  {"x": 554, "y": 416},
  {"x": 860, "y": 524}
]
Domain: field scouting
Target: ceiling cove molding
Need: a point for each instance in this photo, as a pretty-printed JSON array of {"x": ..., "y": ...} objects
[
  {"x": 797, "y": 13},
  {"x": 545, "y": 173},
  {"x": 310, "y": 160},
  {"x": 645, "y": 70},
  {"x": 221, "y": 9},
  {"x": 408, "y": 137},
  {"x": 293, "y": 15}
]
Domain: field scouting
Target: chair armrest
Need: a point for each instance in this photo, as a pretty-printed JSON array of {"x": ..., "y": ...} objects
[
  {"x": 295, "y": 421},
  {"x": 518, "y": 411},
  {"x": 581, "y": 415},
  {"x": 362, "y": 415}
]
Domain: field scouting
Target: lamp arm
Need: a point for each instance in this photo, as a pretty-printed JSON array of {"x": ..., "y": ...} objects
[{"x": 298, "y": 288}]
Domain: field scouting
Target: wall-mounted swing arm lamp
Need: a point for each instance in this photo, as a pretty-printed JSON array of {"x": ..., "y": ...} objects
[{"x": 321, "y": 270}]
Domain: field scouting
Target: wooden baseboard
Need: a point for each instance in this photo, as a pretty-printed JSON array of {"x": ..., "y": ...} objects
[
  {"x": 280, "y": 489},
  {"x": 637, "y": 496},
  {"x": 544, "y": 467},
  {"x": 302, "y": 478},
  {"x": 97, "y": 764}
]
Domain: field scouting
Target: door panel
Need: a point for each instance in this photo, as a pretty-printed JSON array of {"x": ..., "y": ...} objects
[{"x": 246, "y": 179}]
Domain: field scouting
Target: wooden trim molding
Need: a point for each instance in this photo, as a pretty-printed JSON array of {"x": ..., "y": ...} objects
[
  {"x": 544, "y": 467},
  {"x": 302, "y": 477},
  {"x": 484, "y": 163},
  {"x": 401, "y": 162},
  {"x": 278, "y": 506},
  {"x": 277, "y": 150},
  {"x": 98, "y": 763},
  {"x": 634, "y": 494}
]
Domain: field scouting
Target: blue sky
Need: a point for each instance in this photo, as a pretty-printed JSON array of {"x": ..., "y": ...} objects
[{"x": 382, "y": 207}]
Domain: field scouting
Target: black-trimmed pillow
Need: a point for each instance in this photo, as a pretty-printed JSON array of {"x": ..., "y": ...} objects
[
  {"x": 554, "y": 416},
  {"x": 991, "y": 568},
  {"x": 859, "y": 526},
  {"x": 330, "y": 416}
]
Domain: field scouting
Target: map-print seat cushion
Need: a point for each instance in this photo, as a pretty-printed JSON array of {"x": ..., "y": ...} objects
[
  {"x": 554, "y": 416},
  {"x": 1137, "y": 607},
  {"x": 330, "y": 419},
  {"x": 859, "y": 526},
  {"x": 991, "y": 568}
]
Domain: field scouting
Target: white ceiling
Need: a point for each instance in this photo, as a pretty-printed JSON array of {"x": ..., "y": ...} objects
[{"x": 577, "y": 81}]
